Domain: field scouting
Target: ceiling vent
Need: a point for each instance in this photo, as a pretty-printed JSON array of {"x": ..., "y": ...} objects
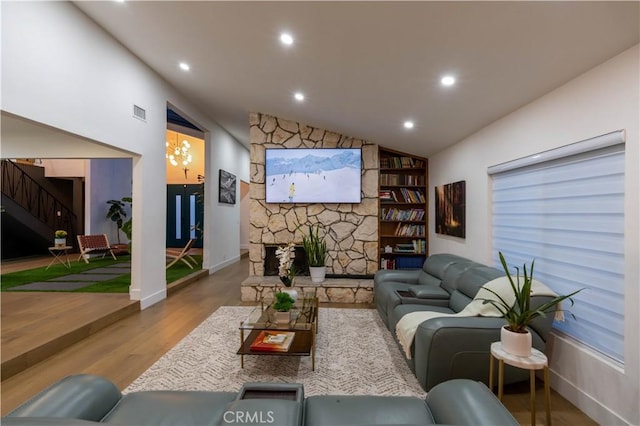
[{"x": 139, "y": 113}]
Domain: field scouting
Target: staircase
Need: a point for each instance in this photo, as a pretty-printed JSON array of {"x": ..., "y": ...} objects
[{"x": 30, "y": 214}]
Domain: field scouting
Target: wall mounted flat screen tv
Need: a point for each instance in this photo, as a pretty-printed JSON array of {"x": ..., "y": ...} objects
[{"x": 313, "y": 175}]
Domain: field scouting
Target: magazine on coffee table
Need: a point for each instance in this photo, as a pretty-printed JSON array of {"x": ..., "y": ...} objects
[{"x": 275, "y": 341}]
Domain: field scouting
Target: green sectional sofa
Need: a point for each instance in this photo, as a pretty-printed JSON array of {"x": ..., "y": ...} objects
[
  {"x": 449, "y": 347},
  {"x": 90, "y": 400}
]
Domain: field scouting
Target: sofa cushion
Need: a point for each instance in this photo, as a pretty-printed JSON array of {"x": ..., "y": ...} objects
[
  {"x": 157, "y": 408},
  {"x": 246, "y": 412},
  {"x": 426, "y": 279},
  {"x": 353, "y": 410},
  {"x": 401, "y": 310},
  {"x": 436, "y": 264},
  {"x": 453, "y": 272},
  {"x": 469, "y": 282}
]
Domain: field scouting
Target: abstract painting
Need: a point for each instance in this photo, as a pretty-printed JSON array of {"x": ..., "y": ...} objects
[
  {"x": 450, "y": 209},
  {"x": 227, "y": 190}
]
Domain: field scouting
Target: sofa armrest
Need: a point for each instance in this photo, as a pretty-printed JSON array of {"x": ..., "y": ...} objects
[
  {"x": 465, "y": 402},
  {"x": 81, "y": 396},
  {"x": 459, "y": 347},
  {"x": 408, "y": 276},
  {"x": 430, "y": 292}
]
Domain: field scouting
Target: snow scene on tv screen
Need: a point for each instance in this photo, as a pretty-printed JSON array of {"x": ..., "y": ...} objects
[{"x": 320, "y": 175}]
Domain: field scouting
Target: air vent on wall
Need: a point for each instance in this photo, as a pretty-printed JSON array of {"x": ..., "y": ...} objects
[{"x": 139, "y": 113}]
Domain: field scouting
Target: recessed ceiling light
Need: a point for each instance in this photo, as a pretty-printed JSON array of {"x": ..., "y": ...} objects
[
  {"x": 448, "y": 80},
  {"x": 184, "y": 66},
  {"x": 408, "y": 124},
  {"x": 286, "y": 39},
  {"x": 299, "y": 96}
]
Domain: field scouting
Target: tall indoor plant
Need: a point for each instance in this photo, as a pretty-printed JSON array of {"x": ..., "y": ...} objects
[
  {"x": 520, "y": 314},
  {"x": 315, "y": 248},
  {"x": 118, "y": 214}
]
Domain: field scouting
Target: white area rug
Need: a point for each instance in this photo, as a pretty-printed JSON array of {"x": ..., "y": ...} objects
[{"x": 355, "y": 354}]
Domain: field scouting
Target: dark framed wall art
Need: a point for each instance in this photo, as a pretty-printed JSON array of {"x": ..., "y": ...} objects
[
  {"x": 227, "y": 188},
  {"x": 450, "y": 209}
]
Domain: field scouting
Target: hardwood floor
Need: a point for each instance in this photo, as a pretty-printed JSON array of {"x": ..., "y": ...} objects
[
  {"x": 36, "y": 325},
  {"x": 124, "y": 350}
]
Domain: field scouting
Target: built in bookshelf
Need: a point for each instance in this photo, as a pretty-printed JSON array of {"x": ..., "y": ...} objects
[{"x": 402, "y": 210}]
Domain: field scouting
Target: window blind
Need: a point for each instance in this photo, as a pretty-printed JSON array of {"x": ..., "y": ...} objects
[{"x": 568, "y": 214}]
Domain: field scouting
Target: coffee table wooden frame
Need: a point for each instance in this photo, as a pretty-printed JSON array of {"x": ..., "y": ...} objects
[{"x": 304, "y": 325}]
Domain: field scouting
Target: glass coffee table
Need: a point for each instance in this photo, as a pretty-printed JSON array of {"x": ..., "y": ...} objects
[{"x": 260, "y": 334}]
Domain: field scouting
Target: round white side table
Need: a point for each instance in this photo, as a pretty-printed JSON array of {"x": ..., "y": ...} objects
[{"x": 537, "y": 361}]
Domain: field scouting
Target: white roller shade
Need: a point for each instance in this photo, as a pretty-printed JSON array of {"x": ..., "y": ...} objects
[{"x": 568, "y": 214}]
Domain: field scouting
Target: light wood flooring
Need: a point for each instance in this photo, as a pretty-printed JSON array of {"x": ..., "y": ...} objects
[{"x": 124, "y": 350}]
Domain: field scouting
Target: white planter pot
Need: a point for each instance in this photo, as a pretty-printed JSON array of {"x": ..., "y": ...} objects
[
  {"x": 317, "y": 273},
  {"x": 291, "y": 292},
  {"x": 282, "y": 317},
  {"x": 518, "y": 344},
  {"x": 60, "y": 242}
]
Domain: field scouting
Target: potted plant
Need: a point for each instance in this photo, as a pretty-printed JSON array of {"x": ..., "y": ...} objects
[
  {"x": 118, "y": 214},
  {"x": 515, "y": 337},
  {"x": 60, "y": 238},
  {"x": 282, "y": 307},
  {"x": 315, "y": 249},
  {"x": 286, "y": 270}
]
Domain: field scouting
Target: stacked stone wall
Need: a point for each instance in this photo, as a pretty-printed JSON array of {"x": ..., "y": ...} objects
[{"x": 350, "y": 230}]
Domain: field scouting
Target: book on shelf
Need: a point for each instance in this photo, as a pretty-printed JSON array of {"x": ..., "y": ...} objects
[
  {"x": 410, "y": 262},
  {"x": 415, "y": 247},
  {"x": 274, "y": 341},
  {"x": 405, "y": 248},
  {"x": 396, "y": 179},
  {"x": 410, "y": 230},
  {"x": 395, "y": 214},
  {"x": 387, "y": 263},
  {"x": 401, "y": 163}
]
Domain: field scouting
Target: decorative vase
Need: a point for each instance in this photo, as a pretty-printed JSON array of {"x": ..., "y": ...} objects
[
  {"x": 291, "y": 292},
  {"x": 60, "y": 242},
  {"x": 317, "y": 273},
  {"x": 518, "y": 344},
  {"x": 282, "y": 317}
]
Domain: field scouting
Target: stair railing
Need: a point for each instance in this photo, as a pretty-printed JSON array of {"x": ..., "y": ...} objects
[{"x": 33, "y": 197}]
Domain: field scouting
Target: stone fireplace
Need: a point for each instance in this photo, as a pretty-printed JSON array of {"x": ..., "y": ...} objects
[
  {"x": 350, "y": 230},
  {"x": 271, "y": 262}
]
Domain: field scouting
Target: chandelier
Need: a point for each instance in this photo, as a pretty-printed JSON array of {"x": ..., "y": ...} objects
[{"x": 178, "y": 153}]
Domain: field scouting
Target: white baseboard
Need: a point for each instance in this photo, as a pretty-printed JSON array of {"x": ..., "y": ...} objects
[
  {"x": 576, "y": 368},
  {"x": 224, "y": 264},
  {"x": 148, "y": 301}
]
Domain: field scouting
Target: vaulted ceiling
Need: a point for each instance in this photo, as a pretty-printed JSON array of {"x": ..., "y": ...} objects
[{"x": 366, "y": 67}]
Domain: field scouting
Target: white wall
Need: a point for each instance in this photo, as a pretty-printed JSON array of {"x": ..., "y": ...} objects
[
  {"x": 245, "y": 202},
  {"x": 63, "y": 168},
  {"x": 223, "y": 218},
  {"x": 106, "y": 179},
  {"x": 600, "y": 101},
  {"x": 62, "y": 70}
]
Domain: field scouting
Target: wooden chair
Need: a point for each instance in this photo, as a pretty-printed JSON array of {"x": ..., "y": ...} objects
[
  {"x": 94, "y": 244},
  {"x": 183, "y": 255}
]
